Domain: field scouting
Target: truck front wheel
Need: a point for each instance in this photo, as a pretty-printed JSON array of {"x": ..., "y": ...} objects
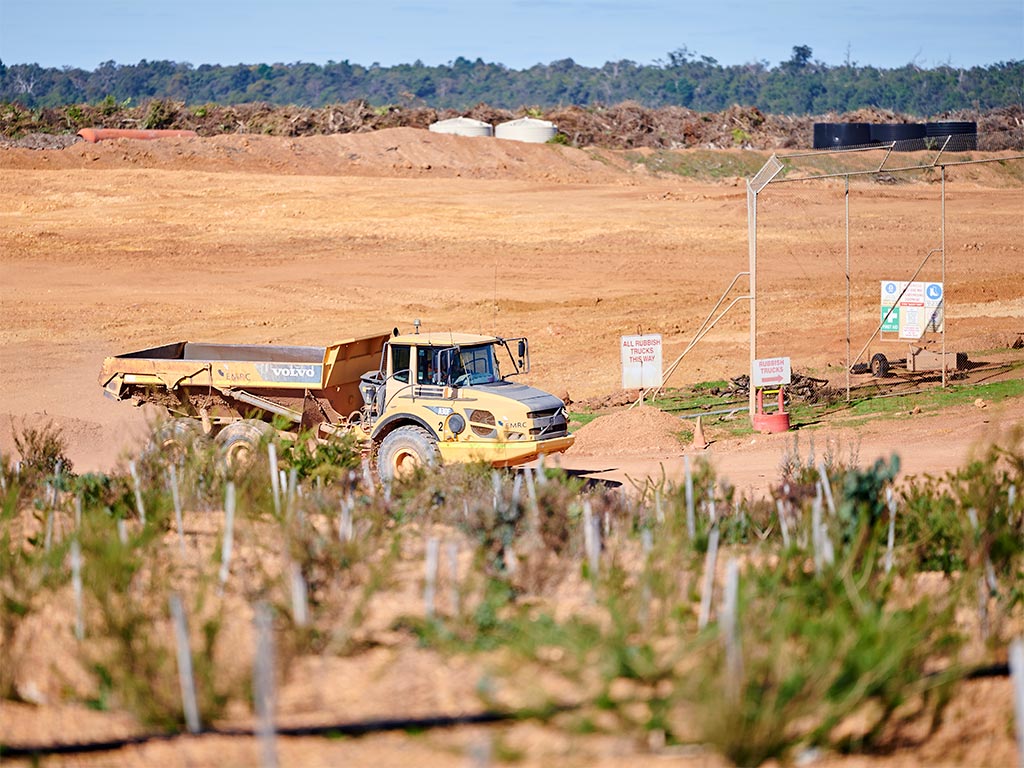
[{"x": 403, "y": 450}]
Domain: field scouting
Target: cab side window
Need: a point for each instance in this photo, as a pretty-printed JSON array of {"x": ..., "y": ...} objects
[
  {"x": 426, "y": 366},
  {"x": 400, "y": 363}
]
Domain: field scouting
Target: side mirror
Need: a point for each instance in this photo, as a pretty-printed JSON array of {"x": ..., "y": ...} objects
[{"x": 522, "y": 348}]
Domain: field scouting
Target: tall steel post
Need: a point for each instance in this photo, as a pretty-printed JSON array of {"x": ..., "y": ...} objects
[
  {"x": 848, "y": 310},
  {"x": 755, "y": 184},
  {"x": 945, "y": 305},
  {"x": 752, "y": 268}
]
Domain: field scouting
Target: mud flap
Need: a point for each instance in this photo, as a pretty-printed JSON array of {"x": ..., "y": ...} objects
[{"x": 313, "y": 413}]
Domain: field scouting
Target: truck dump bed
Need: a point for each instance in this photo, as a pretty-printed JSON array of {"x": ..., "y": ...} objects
[{"x": 231, "y": 367}]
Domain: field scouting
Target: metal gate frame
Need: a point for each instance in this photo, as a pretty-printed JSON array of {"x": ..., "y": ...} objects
[{"x": 769, "y": 174}]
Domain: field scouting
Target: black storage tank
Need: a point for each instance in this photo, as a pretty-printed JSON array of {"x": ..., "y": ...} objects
[
  {"x": 905, "y": 137},
  {"x": 836, "y": 135},
  {"x": 956, "y": 136}
]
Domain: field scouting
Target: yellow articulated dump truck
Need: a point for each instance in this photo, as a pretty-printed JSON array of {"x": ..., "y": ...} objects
[{"x": 431, "y": 397}]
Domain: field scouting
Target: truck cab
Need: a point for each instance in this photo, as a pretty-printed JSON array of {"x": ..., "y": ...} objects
[{"x": 451, "y": 397}]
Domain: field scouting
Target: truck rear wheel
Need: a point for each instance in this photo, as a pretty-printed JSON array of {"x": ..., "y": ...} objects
[
  {"x": 176, "y": 437},
  {"x": 241, "y": 441},
  {"x": 404, "y": 450}
]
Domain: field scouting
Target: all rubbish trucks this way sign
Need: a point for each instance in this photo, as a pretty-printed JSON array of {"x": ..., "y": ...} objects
[
  {"x": 772, "y": 372},
  {"x": 641, "y": 361}
]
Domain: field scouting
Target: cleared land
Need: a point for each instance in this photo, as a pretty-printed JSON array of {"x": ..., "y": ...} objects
[{"x": 122, "y": 246}]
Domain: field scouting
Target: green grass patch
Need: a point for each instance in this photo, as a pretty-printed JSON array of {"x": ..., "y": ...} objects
[
  {"x": 700, "y": 163},
  {"x": 860, "y": 412},
  {"x": 937, "y": 398},
  {"x": 581, "y": 419}
]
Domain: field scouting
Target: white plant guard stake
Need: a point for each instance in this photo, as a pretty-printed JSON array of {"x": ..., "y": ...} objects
[
  {"x": 371, "y": 489},
  {"x": 591, "y": 539},
  {"x": 453, "y": 575},
  {"x": 783, "y": 523},
  {"x": 300, "y": 595},
  {"x": 1017, "y": 675},
  {"x": 531, "y": 489},
  {"x": 496, "y": 490},
  {"x": 263, "y": 685},
  {"x": 827, "y": 487},
  {"x": 229, "y": 535},
  {"x": 542, "y": 478},
  {"x": 691, "y": 523},
  {"x": 275, "y": 478},
  {"x": 185, "y": 676},
  {"x": 646, "y": 546},
  {"x": 986, "y": 582},
  {"x": 730, "y": 631},
  {"x": 138, "y": 492},
  {"x": 817, "y": 531},
  {"x": 76, "y": 584},
  {"x": 430, "y": 574},
  {"x": 293, "y": 477},
  {"x": 345, "y": 525},
  {"x": 890, "y": 499},
  {"x": 176, "y": 498},
  {"x": 710, "y": 561}
]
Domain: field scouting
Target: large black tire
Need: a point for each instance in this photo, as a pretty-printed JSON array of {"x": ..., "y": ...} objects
[
  {"x": 405, "y": 450},
  {"x": 175, "y": 438},
  {"x": 241, "y": 443},
  {"x": 879, "y": 366}
]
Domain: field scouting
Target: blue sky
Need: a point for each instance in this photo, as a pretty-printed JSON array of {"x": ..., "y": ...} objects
[{"x": 517, "y": 33}]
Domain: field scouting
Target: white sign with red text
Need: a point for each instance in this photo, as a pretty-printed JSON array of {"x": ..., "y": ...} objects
[
  {"x": 772, "y": 372},
  {"x": 641, "y": 361}
]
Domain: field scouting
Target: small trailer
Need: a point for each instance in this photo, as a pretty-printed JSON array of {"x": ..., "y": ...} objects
[{"x": 911, "y": 312}]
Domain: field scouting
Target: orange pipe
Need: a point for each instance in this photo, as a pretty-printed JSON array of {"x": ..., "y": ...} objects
[{"x": 92, "y": 135}]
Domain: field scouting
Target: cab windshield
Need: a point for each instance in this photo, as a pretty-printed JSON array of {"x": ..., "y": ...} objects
[{"x": 467, "y": 366}]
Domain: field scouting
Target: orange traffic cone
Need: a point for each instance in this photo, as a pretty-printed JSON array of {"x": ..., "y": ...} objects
[{"x": 699, "y": 441}]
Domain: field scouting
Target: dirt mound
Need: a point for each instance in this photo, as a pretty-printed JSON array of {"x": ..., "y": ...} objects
[
  {"x": 632, "y": 432},
  {"x": 401, "y": 152},
  {"x": 41, "y": 141}
]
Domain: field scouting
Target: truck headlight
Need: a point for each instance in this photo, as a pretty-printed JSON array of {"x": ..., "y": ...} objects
[{"x": 456, "y": 424}]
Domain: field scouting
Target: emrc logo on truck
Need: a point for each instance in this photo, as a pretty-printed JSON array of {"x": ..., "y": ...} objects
[{"x": 299, "y": 373}]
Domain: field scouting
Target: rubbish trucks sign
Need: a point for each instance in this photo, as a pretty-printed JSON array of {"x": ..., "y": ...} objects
[
  {"x": 914, "y": 311},
  {"x": 772, "y": 372},
  {"x": 641, "y": 361}
]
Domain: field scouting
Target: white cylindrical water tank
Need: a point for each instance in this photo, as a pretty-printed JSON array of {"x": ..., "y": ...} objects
[
  {"x": 526, "y": 129},
  {"x": 463, "y": 126}
]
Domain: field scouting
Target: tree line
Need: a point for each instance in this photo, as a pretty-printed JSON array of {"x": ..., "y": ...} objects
[{"x": 798, "y": 86}]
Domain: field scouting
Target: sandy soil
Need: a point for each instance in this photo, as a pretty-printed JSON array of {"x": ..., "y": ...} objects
[{"x": 114, "y": 247}]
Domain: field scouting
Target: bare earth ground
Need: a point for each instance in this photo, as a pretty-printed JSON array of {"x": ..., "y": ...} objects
[{"x": 115, "y": 247}]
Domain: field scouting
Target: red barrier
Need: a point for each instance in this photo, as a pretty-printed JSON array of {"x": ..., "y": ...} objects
[{"x": 92, "y": 135}]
